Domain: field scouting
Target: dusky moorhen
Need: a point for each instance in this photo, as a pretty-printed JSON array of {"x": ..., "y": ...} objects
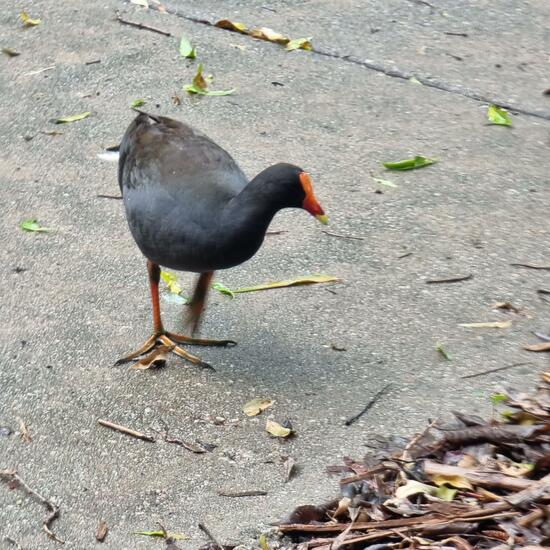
[{"x": 190, "y": 208}]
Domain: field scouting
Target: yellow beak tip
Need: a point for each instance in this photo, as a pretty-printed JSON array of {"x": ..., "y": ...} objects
[{"x": 323, "y": 218}]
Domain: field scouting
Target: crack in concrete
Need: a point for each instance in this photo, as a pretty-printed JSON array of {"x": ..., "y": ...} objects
[{"x": 392, "y": 72}]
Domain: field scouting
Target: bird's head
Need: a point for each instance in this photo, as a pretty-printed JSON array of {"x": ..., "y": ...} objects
[{"x": 296, "y": 190}]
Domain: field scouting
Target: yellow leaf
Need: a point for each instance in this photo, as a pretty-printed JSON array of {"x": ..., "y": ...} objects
[
  {"x": 299, "y": 44},
  {"x": 413, "y": 487},
  {"x": 27, "y": 21},
  {"x": 305, "y": 280},
  {"x": 454, "y": 481},
  {"x": 274, "y": 428},
  {"x": 445, "y": 493},
  {"x": 256, "y": 406},
  {"x": 171, "y": 282},
  {"x": 263, "y": 543},
  {"x": 265, "y": 33},
  {"x": 516, "y": 469},
  {"x": 231, "y": 26},
  {"x": 490, "y": 324},
  {"x": 72, "y": 118}
]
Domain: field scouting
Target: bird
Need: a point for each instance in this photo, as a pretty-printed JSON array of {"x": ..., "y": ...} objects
[{"x": 189, "y": 207}]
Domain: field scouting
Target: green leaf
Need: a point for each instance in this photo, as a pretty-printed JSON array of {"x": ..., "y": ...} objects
[
  {"x": 9, "y": 52},
  {"x": 33, "y": 225},
  {"x": 498, "y": 116},
  {"x": 299, "y": 44},
  {"x": 137, "y": 103},
  {"x": 171, "y": 282},
  {"x": 200, "y": 85},
  {"x": 446, "y": 493},
  {"x": 223, "y": 289},
  {"x": 263, "y": 543},
  {"x": 72, "y": 118},
  {"x": 497, "y": 398},
  {"x": 162, "y": 535},
  {"x": 442, "y": 352},
  {"x": 186, "y": 50},
  {"x": 381, "y": 181},
  {"x": 409, "y": 164},
  {"x": 27, "y": 21},
  {"x": 305, "y": 280}
]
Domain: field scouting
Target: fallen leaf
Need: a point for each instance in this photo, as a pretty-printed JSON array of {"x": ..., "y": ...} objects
[
  {"x": 27, "y": 21},
  {"x": 381, "y": 181},
  {"x": 498, "y": 116},
  {"x": 442, "y": 352},
  {"x": 186, "y": 50},
  {"x": 10, "y": 53},
  {"x": 223, "y": 289},
  {"x": 162, "y": 534},
  {"x": 543, "y": 346},
  {"x": 171, "y": 282},
  {"x": 274, "y": 428},
  {"x": 265, "y": 33},
  {"x": 137, "y": 103},
  {"x": 459, "y": 482},
  {"x": 33, "y": 225},
  {"x": 446, "y": 493},
  {"x": 490, "y": 324},
  {"x": 231, "y": 26},
  {"x": 24, "y": 431},
  {"x": 413, "y": 487},
  {"x": 72, "y": 118},
  {"x": 415, "y": 80},
  {"x": 143, "y": 3},
  {"x": 101, "y": 531},
  {"x": 263, "y": 543},
  {"x": 200, "y": 85},
  {"x": 305, "y": 280},
  {"x": 299, "y": 44},
  {"x": 516, "y": 469},
  {"x": 409, "y": 164},
  {"x": 256, "y": 406},
  {"x": 290, "y": 465}
]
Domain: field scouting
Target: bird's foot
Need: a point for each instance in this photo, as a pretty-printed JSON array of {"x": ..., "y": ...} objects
[{"x": 159, "y": 345}]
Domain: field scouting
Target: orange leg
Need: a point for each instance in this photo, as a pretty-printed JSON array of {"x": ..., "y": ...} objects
[{"x": 162, "y": 341}]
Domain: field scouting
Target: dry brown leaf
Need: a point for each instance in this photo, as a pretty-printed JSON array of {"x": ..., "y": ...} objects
[
  {"x": 231, "y": 26},
  {"x": 506, "y": 306},
  {"x": 455, "y": 481},
  {"x": 274, "y": 428},
  {"x": 516, "y": 469},
  {"x": 543, "y": 346},
  {"x": 265, "y": 33},
  {"x": 101, "y": 531},
  {"x": 489, "y": 324},
  {"x": 24, "y": 431},
  {"x": 256, "y": 406},
  {"x": 289, "y": 464}
]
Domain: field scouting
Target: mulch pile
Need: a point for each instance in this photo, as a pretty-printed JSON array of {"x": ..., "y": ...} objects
[{"x": 470, "y": 485}]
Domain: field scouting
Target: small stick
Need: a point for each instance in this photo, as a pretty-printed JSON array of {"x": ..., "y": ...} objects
[
  {"x": 405, "y": 255},
  {"x": 242, "y": 494},
  {"x": 531, "y": 266},
  {"x": 450, "y": 280},
  {"x": 490, "y": 371},
  {"x": 141, "y": 26},
  {"x": 117, "y": 197},
  {"x": 125, "y": 430},
  {"x": 342, "y": 236},
  {"x": 207, "y": 532},
  {"x": 11, "y": 475},
  {"x": 279, "y": 232},
  {"x": 376, "y": 397}
]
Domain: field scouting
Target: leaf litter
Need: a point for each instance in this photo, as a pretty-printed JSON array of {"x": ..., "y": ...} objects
[
  {"x": 200, "y": 83},
  {"x": 256, "y": 406},
  {"x": 471, "y": 484}
]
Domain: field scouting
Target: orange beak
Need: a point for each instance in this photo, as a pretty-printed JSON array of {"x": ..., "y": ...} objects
[{"x": 310, "y": 203}]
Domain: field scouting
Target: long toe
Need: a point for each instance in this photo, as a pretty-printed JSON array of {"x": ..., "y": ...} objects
[
  {"x": 182, "y": 339},
  {"x": 147, "y": 346}
]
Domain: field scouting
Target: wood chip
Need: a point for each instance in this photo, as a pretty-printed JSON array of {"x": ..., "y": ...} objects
[{"x": 101, "y": 531}]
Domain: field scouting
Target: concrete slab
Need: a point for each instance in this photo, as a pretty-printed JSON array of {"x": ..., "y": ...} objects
[{"x": 82, "y": 300}]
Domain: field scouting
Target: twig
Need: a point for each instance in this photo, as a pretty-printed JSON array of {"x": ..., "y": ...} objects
[
  {"x": 406, "y": 455},
  {"x": 117, "y": 197},
  {"x": 404, "y": 255},
  {"x": 342, "y": 236},
  {"x": 278, "y": 232},
  {"x": 544, "y": 294},
  {"x": 490, "y": 371},
  {"x": 12, "y": 475},
  {"x": 450, "y": 280},
  {"x": 531, "y": 266},
  {"x": 125, "y": 430},
  {"x": 242, "y": 493},
  {"x": 463, "y": 34},
  {"x": 368, "y": 406},
  {"x": 141, "y": 26},
  {"x": 207, "y": 532}
]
